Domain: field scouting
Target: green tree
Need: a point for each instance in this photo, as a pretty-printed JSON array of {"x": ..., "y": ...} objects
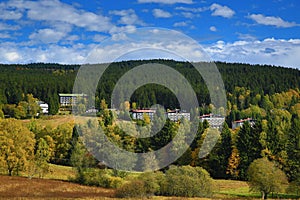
[
  {"x": 33, "y": 107},
  {"x": 249, "y": 146},
  {"x": 62, "y": 136},
  {"x": 293, "y": 150},
  {"x": 219, "y": 157},
  {"x": 39, "y": 165},
  {"x": 265, "y": 177}
]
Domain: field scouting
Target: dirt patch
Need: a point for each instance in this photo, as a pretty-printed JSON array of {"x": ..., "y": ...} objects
[{"x": 21, "y": 187}]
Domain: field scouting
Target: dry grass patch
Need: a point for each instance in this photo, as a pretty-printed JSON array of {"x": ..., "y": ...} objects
[{"x": 21, "y": 187}]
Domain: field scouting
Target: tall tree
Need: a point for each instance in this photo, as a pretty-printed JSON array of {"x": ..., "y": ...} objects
[
  {"x": 249, "y": 147},
  {"x": 219, "y": 157}
]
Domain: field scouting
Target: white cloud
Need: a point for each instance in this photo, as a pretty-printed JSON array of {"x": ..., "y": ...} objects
[
  {"x": 4, "y": 26},
  {"x": 99, "y": 38},
  {"x": 13, "y": 53},
  {"x": 180, "y": 24},
  {"x": 268, "y": 51},
  {"x": 195, "y": 10},
  {"x": 243, "y": 36},
  {"x": 128, "y": 17},
  {"x": 158, "y": 13},
  {"x": 223, "y": 11},
  {"x": 271, "y": 21},
  {"x": 166, "y": 1},
  {"x": 12, "y": 56},
  {"x": 47, "y": 36},
  {"x": 55, "y": 11},
  {"x": 4, "y": 35},
  {"x": 213, "y": 28},
  {"x": 7, "y": 13}
]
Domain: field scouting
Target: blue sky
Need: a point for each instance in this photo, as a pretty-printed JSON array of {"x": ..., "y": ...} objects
[{"x": 253, "y": 31}]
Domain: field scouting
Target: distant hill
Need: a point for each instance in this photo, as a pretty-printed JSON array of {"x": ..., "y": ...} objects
[{"x": 46, "y": 80}]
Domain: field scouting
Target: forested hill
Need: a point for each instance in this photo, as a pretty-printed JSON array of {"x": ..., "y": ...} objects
[{"x": 46, "y": 80}]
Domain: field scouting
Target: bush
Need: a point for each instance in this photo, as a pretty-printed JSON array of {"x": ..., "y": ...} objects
[
  {"x": 135, "y": 188},
  {"x": 187, "y": 181},
  {"x": 145, "y": 185},
  {"x": 151, "y": 182},
  {"x": 98, "y": 177}
]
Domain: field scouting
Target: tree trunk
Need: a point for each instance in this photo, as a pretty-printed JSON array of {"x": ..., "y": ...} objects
[{"x": 266, "y": 195}]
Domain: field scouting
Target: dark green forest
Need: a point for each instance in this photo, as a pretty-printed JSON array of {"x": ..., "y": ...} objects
[{"x": 46, "y": 80}]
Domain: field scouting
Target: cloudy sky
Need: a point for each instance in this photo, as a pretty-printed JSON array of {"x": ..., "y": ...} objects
[{"x": 61, "y": 31}]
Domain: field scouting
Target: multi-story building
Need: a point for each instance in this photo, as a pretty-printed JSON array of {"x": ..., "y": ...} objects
[
  {"x": 176, "y": 115},
  {"x": 214, "y": 121},
  {"x": 139, "y": 113},
  {"x": 239, "y": 123},
  {"x": 67, "y": 100}
]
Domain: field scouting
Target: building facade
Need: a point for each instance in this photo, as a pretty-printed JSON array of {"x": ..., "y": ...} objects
[
  {"x": 68, "y": 100},
  {"x": 239, "y": 123},
  {"x": 214, "y": 121}
]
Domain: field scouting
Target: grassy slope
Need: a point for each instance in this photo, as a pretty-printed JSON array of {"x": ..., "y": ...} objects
[
  {"x": 60, "y": 188},
  {"x": 52, "y": 121}
]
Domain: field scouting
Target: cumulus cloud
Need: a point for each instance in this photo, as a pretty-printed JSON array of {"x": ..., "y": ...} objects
[
  {"x": 7, "y": 13},
  {"x": 13, "y": 53},
  {"x": 128, "y": 17},
  {"x": 180, "y": 24},
  {"x": 166, "y": 1},
  {"x": 159, "y": 13},
  {"x": 56, "y": 11},
  {"x": 195, "y": 10},
  {"x": 271, "y": 21},
  {"x": 12, "y": 56},
  {"x": 47, "y": 36},
  {"x": 268, "y": 51},
  {"x": 222, "y": 11},
  {"x": 4, "y": 26}
]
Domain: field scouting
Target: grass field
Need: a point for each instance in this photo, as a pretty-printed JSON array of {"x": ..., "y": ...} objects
[
  {"x": 47, "y": 188},
  {"x": 52, "y": 121}
]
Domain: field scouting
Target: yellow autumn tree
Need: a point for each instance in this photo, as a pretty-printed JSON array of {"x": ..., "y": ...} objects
[{"x": 16, "y": 146}]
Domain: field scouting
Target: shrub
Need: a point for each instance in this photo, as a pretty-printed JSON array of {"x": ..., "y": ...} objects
[
  {"x": 145, "y": 185},
  {"x": 98, "y": 177},
  {"x": 151, "y": 182},
  {"x": 135, "y": 188},
  {"x": 187, "y": 181}
]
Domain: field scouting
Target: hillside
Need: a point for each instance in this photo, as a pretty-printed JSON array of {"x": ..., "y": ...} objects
[{"x": 45, "y": 81}]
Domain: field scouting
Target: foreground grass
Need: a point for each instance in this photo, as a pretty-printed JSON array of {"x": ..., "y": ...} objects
[
  {"x": 24, "y": 188},
  {"x": 55, "y": 185}
]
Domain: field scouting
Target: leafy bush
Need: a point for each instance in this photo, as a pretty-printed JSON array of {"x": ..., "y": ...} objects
[
  {"x": 187, "y": 181},
  {"x": 98, "y": 177},
  {"x": 145, "y": 185},
  {"x": 135, "y": 188}
]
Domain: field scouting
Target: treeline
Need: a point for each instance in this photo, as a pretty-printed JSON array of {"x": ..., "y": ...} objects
[{"x": 45, "y": 80}]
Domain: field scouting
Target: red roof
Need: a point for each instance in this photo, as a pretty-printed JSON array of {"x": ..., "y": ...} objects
[
  {"x": 143, "y": 111},
  {"x": 243, "y": 120}
]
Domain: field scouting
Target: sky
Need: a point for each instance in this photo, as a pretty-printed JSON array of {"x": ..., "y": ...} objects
[{"x": 62, "y": 31}]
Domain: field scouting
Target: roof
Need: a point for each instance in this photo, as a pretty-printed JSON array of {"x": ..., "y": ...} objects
[
  {"x": 143, "y": 111},
  {"x": 243, "y": 120},
  {"x": 72, "y": 95}
]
